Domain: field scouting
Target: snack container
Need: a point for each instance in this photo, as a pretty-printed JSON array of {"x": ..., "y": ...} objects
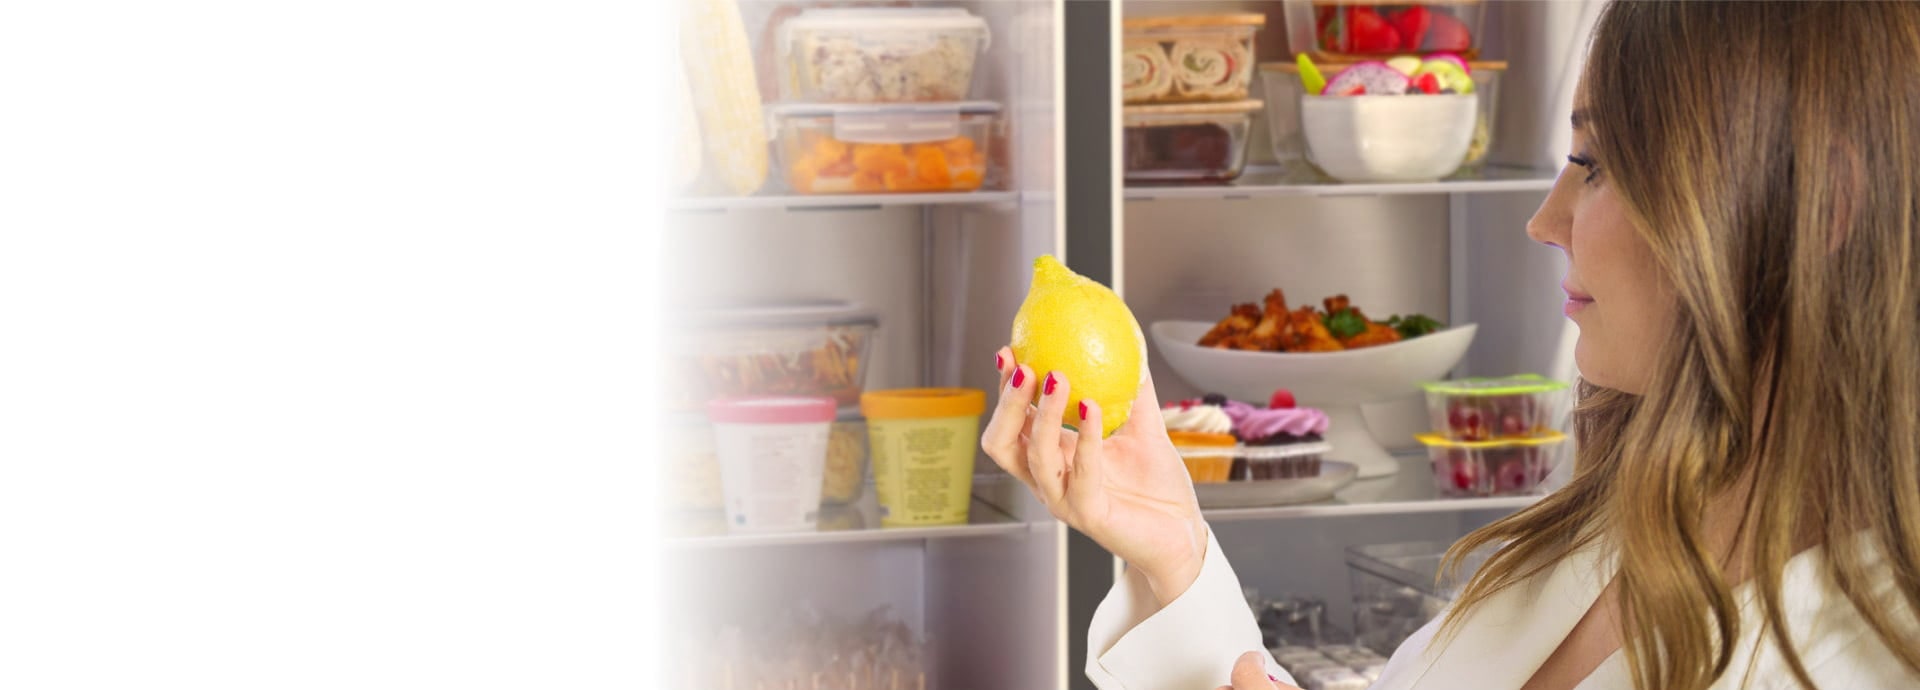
[
  {"x": 773, "y": 453},
  {"x": 1192, "y": 142},
  {"x": 1482, "y": 409},
  {"x": 1207, "y": 460},
  {"x": 1290, "y": 461},
  {"x": 1397, "y": 589},
  {"x": 691, "y": 478},
  {"x": 879, "y": 55},
  {"x": 845, "y": 477},
  {"x": 793, "y": 348},
  {"x": 924, "y": 442},
  {"x": 1350, "y": 29},
  {"x": 1507, "y": 467},
  {"x": 877, "y": 149},
  {"x": 1280, "y": 83},
  {"x": 1190, "y": 58}
]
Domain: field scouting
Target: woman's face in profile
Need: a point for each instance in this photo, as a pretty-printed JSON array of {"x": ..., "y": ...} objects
[{"x": 1615, "y": 292}]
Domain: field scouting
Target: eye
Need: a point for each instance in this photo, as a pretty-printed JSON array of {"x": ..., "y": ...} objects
[{"x": 1593, "y": 168}]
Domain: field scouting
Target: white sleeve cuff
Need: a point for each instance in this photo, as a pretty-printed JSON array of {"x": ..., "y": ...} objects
[{"x": 1192, "y": 643}]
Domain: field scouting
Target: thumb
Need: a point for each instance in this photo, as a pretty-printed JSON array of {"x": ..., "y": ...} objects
[{"x": 1250, "y": 673}]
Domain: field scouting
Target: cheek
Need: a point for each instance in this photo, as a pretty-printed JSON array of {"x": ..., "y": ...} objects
[{"x": 1621, "y": 336}]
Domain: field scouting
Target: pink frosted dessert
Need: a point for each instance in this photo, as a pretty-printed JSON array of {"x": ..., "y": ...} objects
[{"x": 1283, "y": 441}]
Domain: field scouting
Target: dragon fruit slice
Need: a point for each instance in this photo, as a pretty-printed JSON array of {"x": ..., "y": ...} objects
[
  {"x": 1453, "y": 74},
  {"x": 1374, "y": 78}
]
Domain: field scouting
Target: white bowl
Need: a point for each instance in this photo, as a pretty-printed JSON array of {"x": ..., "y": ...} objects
[
  {"x": 1336, "y": 382},
  {"x": 1389, "y": 138}
]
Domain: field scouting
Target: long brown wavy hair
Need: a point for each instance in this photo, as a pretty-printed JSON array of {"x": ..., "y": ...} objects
[{"x": 1769, "y": 153}]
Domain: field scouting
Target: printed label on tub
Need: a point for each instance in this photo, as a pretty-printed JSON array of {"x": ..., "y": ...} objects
[{"x": 772, "y": 476}]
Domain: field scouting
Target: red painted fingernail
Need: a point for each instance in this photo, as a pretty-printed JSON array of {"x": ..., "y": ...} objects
[
  {"x": 999, "y": 361},
  {"x": 1050, "y": 381},
  {"x": 1271, "y": 678},
  {"x": 1083, "y": 409},
  {"x": 1019, "y": 377}
]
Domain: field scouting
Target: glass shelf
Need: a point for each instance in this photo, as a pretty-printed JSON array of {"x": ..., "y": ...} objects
[
  {"x": 853, "y": 523},
  {"x": 834, "y": 202},
  {"x": 1262, "y": 181},
  {"x": 1409, "y": 490}
]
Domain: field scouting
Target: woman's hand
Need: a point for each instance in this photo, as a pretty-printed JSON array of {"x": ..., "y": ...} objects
[
  {"x": 1129, "y": 492},
  {"x": 1250, "y": 673}
]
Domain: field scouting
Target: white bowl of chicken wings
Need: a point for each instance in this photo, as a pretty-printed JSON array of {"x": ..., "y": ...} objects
[{"x": 1338, "y": 381}]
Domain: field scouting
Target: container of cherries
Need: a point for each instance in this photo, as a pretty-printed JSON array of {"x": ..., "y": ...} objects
[{"x": 1494, "y": 437}]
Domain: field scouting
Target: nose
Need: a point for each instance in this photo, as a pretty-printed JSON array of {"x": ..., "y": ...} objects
[{"x": 1552, "y": 224}]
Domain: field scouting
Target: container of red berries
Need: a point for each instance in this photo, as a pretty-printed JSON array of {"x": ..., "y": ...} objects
[
  {"x": 1488, "y": 409},
  {"x": 1348, "y": 28},
  {"x": 1505, "y": 467}
]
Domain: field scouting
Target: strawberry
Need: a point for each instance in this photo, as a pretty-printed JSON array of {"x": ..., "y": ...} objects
[
  {"x": 1412, "y": 25},
  {"x": 1357, "y": 90},
  {"x": 1448, "y": 33},
  {"x": 1370, "y": 33},
  {"x": 1333, "y": 31},
  {"x": 1427, "y": 83},
  {"x": 1282, "y": 400}
]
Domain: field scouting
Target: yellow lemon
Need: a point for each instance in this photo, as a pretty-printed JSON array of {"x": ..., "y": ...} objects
[{"x": 1079, "y": 328}]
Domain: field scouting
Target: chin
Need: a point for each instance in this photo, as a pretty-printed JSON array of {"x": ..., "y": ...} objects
[{"x": 1597, "y": 370}]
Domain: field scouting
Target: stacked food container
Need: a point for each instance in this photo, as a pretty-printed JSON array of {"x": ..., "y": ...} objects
[
  {"x": 1185, "y": 81},
  {"x": 1339, "y": 105},
  {"x": 1494, "y": 437},
  {"x": 1397, "y": 588},
  {"x": 876, "y": 101}
]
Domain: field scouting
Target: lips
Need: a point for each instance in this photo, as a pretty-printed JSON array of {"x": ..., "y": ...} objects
[{"x": 1574, "y": 294}]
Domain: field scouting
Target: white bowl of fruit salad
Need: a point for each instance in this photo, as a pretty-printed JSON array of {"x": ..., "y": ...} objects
[{"x": 1376, "y": 123}]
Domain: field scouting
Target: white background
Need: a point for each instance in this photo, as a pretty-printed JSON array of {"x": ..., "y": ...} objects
[{"x": 323, "y": 342}]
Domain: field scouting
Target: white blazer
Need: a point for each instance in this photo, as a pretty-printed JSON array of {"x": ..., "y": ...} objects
[{"x": 1192, "y": 643}]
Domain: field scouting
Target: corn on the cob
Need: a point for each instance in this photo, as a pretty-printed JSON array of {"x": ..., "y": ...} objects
[{"x": 719, "y": 69}]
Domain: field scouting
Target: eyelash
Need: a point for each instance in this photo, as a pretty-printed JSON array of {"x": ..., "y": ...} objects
[{"x": 1593, "y": 169}]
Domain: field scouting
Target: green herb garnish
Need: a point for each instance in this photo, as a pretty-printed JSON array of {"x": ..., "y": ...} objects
[
  {"x": 1345, "y": 324},
  {"x": 1414, "y": 325}
]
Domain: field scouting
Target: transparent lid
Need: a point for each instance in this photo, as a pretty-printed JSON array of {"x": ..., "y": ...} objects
[
  {"x": 799, "y": 313},
  {"x": 1505, "y": 385},
  {"x": 1414, "y": 564},
  {"x": 868, "y": 21},
  {"x": 885, "y": 123}
]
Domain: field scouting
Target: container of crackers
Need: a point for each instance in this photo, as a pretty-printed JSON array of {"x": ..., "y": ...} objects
[{"x": 793, "y": 348}]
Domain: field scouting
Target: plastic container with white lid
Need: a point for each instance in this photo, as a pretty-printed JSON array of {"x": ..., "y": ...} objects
[
  {"x": 880, "y": 55},
  {"x": 802, "y": 347},
  {"x": 773, "y": 455},
  {"x": 1187, "y": 142},
  {"x": 890, "y": 148}
]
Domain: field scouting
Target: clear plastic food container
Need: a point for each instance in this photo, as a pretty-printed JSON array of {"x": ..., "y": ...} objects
[
  {"x": 1483, "y": 409},
  {"x": 877, "y": 149},
  {"x": 1280, "y": 82},
  {"x": 1372, "y": 28},
  {"x": 1189, "y": 58},
  {"x": 879, "y": 55},
  {"x": 1508, "y": 467},
  {"x": 1397, "y": 588},
  {"x": 796, "y": 348},
  {"x": 1188, "y": 142},
  {"x": 846, "y": 473},
  {"x": 691, "y": 478}
]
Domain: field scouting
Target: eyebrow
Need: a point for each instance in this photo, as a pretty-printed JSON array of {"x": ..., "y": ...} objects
[{"x": 1579, "y": 119}]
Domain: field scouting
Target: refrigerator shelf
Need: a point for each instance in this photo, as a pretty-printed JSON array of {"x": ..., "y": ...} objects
[
  {"x": 858, "y": 522},
  {"x": 1407, "y": 491},
  {"x": 835, "y": 202},
  {"x": 1266, "y": 181}
]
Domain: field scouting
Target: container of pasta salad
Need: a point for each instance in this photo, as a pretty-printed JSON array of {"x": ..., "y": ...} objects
[{"x": 879, "y": 55}]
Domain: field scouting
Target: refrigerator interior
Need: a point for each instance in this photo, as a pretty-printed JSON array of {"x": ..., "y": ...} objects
[{"x": 942, "y": 273}]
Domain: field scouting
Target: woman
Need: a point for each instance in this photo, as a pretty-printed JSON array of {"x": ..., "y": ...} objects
[{"x": 1739, "y": 216}]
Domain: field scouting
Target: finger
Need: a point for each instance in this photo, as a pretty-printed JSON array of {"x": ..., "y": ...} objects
[
  {"x": 1002, "y": 439},
  {"x": 1250, "y": 672},
  {"x": 1004, "y": 363},
  {"x": 1145, "y": 418},
  {"x": 1087, "y": 475},
  {"x": 1044, "y": 460}
]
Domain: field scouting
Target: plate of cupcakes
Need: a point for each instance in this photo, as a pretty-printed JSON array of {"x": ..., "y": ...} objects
[{"x": 1246, "y": 456}]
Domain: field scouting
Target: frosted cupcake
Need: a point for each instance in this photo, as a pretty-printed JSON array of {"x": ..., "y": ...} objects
[
  {"x": 1203, "y": 435},
  {"x": 1282, "y": 440}
]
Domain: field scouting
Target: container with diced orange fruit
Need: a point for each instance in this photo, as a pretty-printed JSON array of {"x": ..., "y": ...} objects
[{"x": 879, "y": 149}]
